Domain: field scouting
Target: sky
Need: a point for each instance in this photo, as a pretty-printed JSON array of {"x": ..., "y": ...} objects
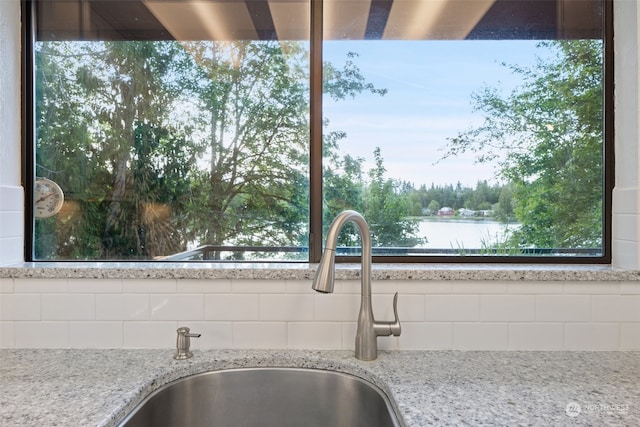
[{"x": 430, "y": 85}]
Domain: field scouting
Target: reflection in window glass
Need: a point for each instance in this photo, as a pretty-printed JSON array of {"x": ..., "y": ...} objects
[
  {"x": 478, "y": 136},
  {"x": 168, "y": 145},
  {"x": 181, "y": 130}
]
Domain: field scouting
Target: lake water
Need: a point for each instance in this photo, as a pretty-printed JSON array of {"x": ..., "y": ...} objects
[{"x": 460, "y": 233}]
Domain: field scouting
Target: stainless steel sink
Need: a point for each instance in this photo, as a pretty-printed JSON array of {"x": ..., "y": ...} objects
[{"x": 264, "y": 397}]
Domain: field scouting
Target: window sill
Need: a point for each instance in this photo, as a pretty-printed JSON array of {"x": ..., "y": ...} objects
[{"x": 305, "y": 271}]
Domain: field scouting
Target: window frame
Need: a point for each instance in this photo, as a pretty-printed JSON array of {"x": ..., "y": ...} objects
[{"x": 316, "y": 241}]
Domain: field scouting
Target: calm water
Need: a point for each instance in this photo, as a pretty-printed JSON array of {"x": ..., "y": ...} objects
[{"x": 460, "y": 233}]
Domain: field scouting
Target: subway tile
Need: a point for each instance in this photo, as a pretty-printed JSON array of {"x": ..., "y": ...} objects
[
  {"x": 203, "y": 286},
  {"x": 6, "y": 286},
  {"x": 591, "y": 288},
  {"x": 445, "y": 308},
  {"x": 426, "y": 336},
  {"x": 298, "y": 287},
  {"x": 95, "y": 334},
  {"x": 535, "y": 288},
  {"x": 591, "y": 336},
  {"x": 383, "y": 305},
  {"x": 11, "y": 250},
  {"x": 7, "y": 334},
  {"x": 379, "y": 287},
  {"x": 608, "y": 308},
  {"x": 149, "y": 286},
  {"x": 630, "y": 288},
  {"x": 423, "y": 286},
  {"x": 20, "y": 307},
  {"x": 150, "y": 334},
  {"x": 410, "y": 308},
  {"x": 630, "y": 336},
  {"x": 232, "y": 307},
  {"x": 216, "y": 335},
  {"x": 559, "y": 308},
  {"x": 176, "y": 307},
  {"x": 97, "y": 286},
  {"x": 42, "y": 334},
  {"x": 122, "y": 307},
  {"x": 348, "y": 287},
  {"x": 68, "y": 307},
  {"x": 536, "y": 336},
  {"x": 258, "y": 286},
  {"x": 511, "y": 308},
  {"x": 12, "y": 224},
  {"x": 480, "y": 336},
  {"x": 286, "y": 307},
  {"x": 336, "y": 307},
  {"x": 349, "y": 330},
  {"x": 479, "y": 287},
  {"x": 44, "y": 286},
  {"x": 315, "y": 335},
  {"x": 12, "y": 197},
  {"x": 269, "y": 335}
]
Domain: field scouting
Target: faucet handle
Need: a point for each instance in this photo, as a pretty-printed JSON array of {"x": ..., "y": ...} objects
[
  {"x": 395, "y": 325},
  {"x": 389, "y": 328}
]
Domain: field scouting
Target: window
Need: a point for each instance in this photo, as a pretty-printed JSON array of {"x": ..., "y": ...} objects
[{"x": 463, "y": 130}]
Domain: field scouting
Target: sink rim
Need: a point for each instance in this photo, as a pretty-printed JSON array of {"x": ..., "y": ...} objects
[{"x": 388, "y": 400}]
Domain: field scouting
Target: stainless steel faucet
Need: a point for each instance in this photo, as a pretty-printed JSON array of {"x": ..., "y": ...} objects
[{"x": 368, "y": 328}]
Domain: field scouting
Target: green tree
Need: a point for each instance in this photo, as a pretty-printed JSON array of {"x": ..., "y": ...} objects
[
  {"x": 165, "y": 144},
  {"x": 547, "y": 139},
  {"x": 386, "y": 209}
]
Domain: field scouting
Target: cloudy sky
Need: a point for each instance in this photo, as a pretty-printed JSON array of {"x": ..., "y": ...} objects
[{"x": 429, "y": 84}]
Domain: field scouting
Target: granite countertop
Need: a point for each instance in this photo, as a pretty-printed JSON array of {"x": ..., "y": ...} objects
[
  {"x": 82, "y": 387},
  {"x": 305, "y": 271}
]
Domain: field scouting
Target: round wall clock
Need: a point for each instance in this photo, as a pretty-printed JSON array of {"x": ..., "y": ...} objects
[{"x": 48, "y": 198}]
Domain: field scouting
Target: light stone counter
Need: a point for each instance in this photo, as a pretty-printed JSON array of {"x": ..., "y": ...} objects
[
  {"x": 304, "y": 271},
  {"x": 44, "y": 387}
]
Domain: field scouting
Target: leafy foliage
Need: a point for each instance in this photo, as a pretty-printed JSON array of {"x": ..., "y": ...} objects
[
  {"x": 547, "y": 136},
  {"x": 163, "y": 145}
]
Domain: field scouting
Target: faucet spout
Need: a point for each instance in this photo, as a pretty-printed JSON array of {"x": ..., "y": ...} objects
[{"x": 324, "y": 279}]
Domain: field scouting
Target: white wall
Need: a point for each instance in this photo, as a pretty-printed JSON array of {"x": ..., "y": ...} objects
[
  {"x": 11, "y": 194},
  {"x": 114, "y": 313}
]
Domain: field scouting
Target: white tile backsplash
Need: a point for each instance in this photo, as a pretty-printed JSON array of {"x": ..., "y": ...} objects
[
  {"x": 241, "y": 307},
  {"x": 45, "y": 334},
  {"x": 630, "y": 336},
  {"x": 96, "y": 334},
  {"x": 176, "y": 307},
  {"x": 455, "y": 308},
  {"x": 159, "y": 334},
  {"x": 122, "y": 307},
  {"x": 509, "y": 308},
  {"x": 68, "y": 307},
  {"x": 567, "y": 308},
  {"x": 112, "y": 313},
  {"x": 319, "y": 335},
  {"x": 480, "y": 336},
  {"x": 268, "y": 335},
  {"x": 286, "y": 307},
  {"x": 20, "y": 307},
  {"x": 591, "y": 336}
]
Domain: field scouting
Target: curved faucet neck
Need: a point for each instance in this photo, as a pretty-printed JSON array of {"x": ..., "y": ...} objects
[{"x": 365, "y": 237}]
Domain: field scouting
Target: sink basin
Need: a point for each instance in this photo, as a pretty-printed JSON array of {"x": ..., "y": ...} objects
[{"x": 264, "y": 397}]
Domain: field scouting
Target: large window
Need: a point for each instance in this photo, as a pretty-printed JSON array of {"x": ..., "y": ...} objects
[{"x": 463, "y": 130}]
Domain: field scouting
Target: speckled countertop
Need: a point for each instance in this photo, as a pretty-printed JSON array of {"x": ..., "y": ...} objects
[
  {"x": 44, "y": 387},
  {"x": 304, "y": 271}
]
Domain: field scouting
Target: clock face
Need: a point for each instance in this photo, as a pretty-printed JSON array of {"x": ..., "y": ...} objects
[{"x": 48, "y": 198}]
